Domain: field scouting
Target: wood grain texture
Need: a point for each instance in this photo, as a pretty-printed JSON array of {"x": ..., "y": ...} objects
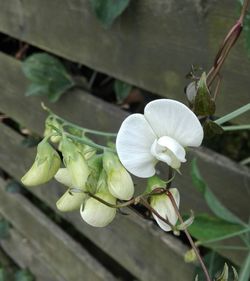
[
  {"x": 138, "y": 245},
  {"x": 152, "y": 45},
  {"x": 64, "y": 257}
]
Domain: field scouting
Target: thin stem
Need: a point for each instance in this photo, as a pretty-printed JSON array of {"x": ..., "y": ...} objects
[
  {"x": 244, "y": 11},
  {"x": 169, "y": 194},
  {"x": 236, "y": 127},
  {"x": 224, "y": 237},
  {"x": 170, "y": 176},
  {"x": 233, "y": 248}
]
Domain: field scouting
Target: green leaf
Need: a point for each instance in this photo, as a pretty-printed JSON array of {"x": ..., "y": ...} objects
[
  {"x": 4, "y": 229},
  {"x": 206, "y": 227},
  {"x": 48, "y": 76},
  {"x": 13, "y": 187},
  {"x": 246, "y": 32},
  {"x": 204, "y": 104},
  {"x": 108, "y": 10},
  {"x": 3, "y": 275},
  {"x": 212, "y": 129},
  {"x": 122, "y": 90},
  {"x": 24, "y": 275},
  {"x": 214, "y": 204}
]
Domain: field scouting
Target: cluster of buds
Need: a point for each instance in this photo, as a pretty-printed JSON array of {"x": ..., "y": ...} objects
[{"x": 90, "y": 177}]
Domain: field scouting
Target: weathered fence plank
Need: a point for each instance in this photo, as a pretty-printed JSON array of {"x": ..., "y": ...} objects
[
  {"x": 127, "y": 239},
  {"x": 65, "y": 256},
  {"x": 25, "y": 255},
  {"x": 150, "y": 45}
]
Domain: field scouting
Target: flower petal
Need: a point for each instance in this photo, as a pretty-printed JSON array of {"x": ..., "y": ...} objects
[
  {"x": 174, "y": 119},
  {"x": 133, "y": 144}
]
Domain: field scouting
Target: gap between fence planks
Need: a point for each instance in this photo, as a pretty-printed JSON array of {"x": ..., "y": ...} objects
[
  {"x": 63, "y": 256},
  {"x": 152, "y": 45}
]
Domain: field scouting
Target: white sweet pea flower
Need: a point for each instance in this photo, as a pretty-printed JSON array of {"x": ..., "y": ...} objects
[
  {"x": 164, "y": 207},
  {"x": 161, "y": 134}
]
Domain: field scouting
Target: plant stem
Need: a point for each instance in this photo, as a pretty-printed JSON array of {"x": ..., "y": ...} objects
[
  {"x": 169, "y": 194},
  {"x": 245, "y": 269},
  {"x": 236, "y": 127}
]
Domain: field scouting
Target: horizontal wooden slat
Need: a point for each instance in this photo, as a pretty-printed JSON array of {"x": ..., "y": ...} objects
[
  {"x": 65, "y": 257},
  {"x": 139, "y": 246},
  {"x": 150, "y": 45}
]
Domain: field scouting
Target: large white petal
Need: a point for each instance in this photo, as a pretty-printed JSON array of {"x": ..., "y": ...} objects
[
  {"x": 133, "y": 145},
  {"x": 174, "y": 119}
]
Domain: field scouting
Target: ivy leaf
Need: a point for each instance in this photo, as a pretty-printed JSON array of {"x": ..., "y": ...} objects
[
  {"x": 122, "y": 90},
  {"x": 214, "y": 204},
  {"x": 13, "y": 187},
  {"x": 204, "y": 104},
  {"x": 24, "y": 275},
  {"x": 48, "y": 76},
  {"x": 211, "y": 129},
  {"x": 206, "y": 227},
  {"x": 4, "y": 229},
  {"x": 108, "y": 10}
]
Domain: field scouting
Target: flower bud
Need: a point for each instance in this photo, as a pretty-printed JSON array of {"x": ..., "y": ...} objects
[
  {"x": 75, "y": 163},
  {"x": 95, "y": 167},
  {"x": 44, "y": 168},
  {"x": 164, "y": 207},
  {"x": 49, "y": 130},
  {"x": 96, "y": 213},
  {"x": 64, "y": 177},
  {"x": 70, "y": 201},
  {"x": 119, "y": 181},
  {"x": 155, "y": 182},
  {"x": 190, "y": 256},
  {"x": 86, "y": 150}
]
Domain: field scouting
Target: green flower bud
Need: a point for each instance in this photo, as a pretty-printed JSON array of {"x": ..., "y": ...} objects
[
  {"x": 155, "y": 182},
  {"x": 44, "y": 168},
  {"x": 86, "y": 150},
  {"x": 70, "y": 201},
  {"x": 119, "y": 181},
  {"x": 95, "y": 167},
  {"x": 96, "y": 213},
  {"x": 190, "y": 256},
  {"x": 49, "y": 130},
  {"x": 75, "y": 163}
]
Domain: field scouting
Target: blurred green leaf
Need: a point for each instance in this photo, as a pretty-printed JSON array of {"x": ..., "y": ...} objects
[
  {"x": 48, "y": 76},
  {"x": 211, "y": 129},
  {"x": 245, "y": 269},
  {"x": 3, "y": 275},
  {"x": 4, "y": 228},
  {"x": 13, "y": 187},
  {"x": 122, "y": 90},
  {"x": 24, "y": 275},
  {"x": 206, "y": 227},
  {"x": 108, "y": 10},
  {"x": 203, "y": 104},
  {"x": 214, "y": 204},
  {"x": 246, "y": 32}
]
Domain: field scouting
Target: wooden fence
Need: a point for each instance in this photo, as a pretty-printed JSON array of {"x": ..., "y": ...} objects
[{"x": 151, "y": 46}]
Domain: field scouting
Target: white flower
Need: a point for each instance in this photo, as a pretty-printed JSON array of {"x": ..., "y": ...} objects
[
  {"x": 161, "y": 134},
  {"x": 164, "y": 207},
  {"x": 70, "y": 201}
]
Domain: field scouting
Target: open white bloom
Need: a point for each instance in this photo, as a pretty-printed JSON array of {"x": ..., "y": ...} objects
[
  {"x": 164, "y": 207},
  {"x": 161, "y": 134}
]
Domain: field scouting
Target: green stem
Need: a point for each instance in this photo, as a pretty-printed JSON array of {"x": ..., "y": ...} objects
[
  {"x": 234, "y": 248},
  {"x": 233, "y": 114},
  {"x": 223, "y": 237},
  {"x": 236, "y": 127}
]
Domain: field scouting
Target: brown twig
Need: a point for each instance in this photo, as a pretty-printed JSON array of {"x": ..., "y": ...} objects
[{"x": 169, "y": 194}]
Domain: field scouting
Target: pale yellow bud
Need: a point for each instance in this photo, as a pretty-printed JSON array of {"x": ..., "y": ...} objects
[
  {"x": 190, "y": 256},
  {"x": 75, "y": 164},
  {"x": 64, "y": 177},
  {"x": 164, "y": 207},
  {"x": 70, "y": 201},
  {"x": 96, "y": 213},
  {"x": 119, "y": 181},
  {"x": 44, "y": 168},
  {"x": 49, "y": 130}
]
